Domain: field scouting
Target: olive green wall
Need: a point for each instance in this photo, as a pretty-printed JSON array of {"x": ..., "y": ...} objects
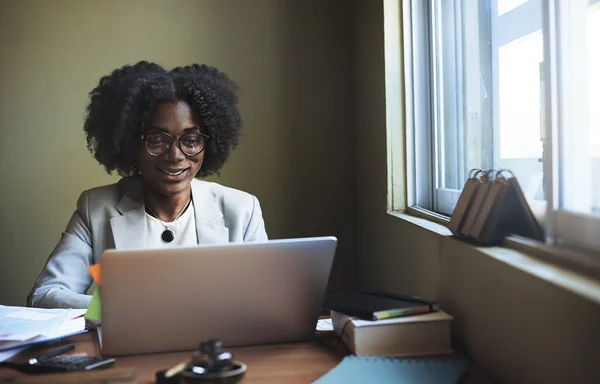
[{"x": 290, "y": 58}]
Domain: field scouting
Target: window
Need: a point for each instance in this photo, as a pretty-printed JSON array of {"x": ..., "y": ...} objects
[
  {"x": 506, "y": 84},
  {"x": 575, "y": 120}
]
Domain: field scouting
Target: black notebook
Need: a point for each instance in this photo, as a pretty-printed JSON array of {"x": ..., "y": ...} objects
[
  {"x": 377, "y": 305},
  {"x": 381, "y": 370}
]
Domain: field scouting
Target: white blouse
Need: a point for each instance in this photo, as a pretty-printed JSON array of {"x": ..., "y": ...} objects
[{"x": 184, "y": 229}]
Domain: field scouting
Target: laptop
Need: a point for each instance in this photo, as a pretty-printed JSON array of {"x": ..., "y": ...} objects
[{"x": 165, "y": 300}]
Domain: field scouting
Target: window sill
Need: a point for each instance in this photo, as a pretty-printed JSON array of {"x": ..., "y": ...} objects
[
  {"x": 571, "y": 269},
  {"x": 422, "y": 221}
]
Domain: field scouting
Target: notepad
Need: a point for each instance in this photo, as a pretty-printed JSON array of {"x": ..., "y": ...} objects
[{"x": 380, "y": 370}]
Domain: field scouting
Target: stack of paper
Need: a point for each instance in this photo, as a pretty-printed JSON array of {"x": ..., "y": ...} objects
[{"x": 21, "y": 327}]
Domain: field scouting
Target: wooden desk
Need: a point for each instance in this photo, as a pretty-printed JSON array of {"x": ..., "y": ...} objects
[
  {"x": 291, "y": 363},
  {"x": 279, "y": 363}
]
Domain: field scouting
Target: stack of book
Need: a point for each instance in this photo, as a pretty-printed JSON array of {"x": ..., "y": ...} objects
[
  {"x": 426, "y": 334},
  {"x": 376, "y": 324}
]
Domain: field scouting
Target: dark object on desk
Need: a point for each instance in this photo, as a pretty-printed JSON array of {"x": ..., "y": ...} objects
[
  {"x": 54, "y": 352},
  {"x": 212, "y": 357},
  {"x": 377, "y": 305},
  {"x": 51, "y": 362},
  {"x": 63, "y": 363},
  {"x": 361, "y": 369},
  {"x": 210, "y": 365}
]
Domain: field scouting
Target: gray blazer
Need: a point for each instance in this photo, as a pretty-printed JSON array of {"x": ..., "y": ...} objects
[{"x": 113, "y": 216}]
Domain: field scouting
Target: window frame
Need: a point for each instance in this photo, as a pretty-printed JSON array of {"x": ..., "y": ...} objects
[
  {"x": 417, "y": 82},
  {"x": 422, "y": 147},
  {"x": 444, "y": 198}
]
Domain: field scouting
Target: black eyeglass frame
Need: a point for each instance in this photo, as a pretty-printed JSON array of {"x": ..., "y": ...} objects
[{"x": 173, "y": 138}]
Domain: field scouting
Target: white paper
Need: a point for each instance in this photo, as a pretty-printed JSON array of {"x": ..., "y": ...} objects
[
  {"x": 20, "y": 324},
  {"x": 73, "y": 326},
  {"x": 324, "y": 325},
  {"x": 77, "y": 312},
  {"x": 29, "y": 321},
  {"x": 32, "y": 315},
  {"x": 17, "y": 336}
]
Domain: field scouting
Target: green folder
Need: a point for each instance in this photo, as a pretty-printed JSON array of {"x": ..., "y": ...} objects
[{"x": 94, "y": 310}]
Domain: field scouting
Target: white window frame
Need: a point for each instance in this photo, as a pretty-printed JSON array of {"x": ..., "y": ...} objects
[
  {"x": 418, "y": 108},
  {"x": 446, "y": 108}
]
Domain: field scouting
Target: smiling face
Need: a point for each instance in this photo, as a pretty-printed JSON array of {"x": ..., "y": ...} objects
[{"x": 170, "y": 174}]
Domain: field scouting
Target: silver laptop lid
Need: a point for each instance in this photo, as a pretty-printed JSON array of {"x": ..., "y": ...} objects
[{"x": 242, "y": 293}]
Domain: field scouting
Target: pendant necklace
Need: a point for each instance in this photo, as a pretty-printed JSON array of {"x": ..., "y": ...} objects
[{"x": 167, "y": 236}]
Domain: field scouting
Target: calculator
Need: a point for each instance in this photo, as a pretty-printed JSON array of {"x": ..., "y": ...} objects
[{"x": 63, "y": 363}]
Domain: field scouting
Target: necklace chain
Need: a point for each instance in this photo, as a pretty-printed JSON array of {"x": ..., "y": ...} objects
[{"x": 177, "y": 217}]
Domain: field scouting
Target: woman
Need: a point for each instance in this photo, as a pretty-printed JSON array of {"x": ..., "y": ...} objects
[{"x": 159, "y": 130}]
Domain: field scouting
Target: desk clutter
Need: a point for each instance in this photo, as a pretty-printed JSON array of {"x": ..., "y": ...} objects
[
  {"x": 385, "y": 324},
  {"x": 383, "y": 330},
  {"x": 209, "y": 365},
  {"x": 492, "y": 206},
  {"x": 386, "y": 332}
]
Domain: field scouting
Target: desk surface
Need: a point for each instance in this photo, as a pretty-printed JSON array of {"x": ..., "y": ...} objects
[{"x": 280, "y": 363}]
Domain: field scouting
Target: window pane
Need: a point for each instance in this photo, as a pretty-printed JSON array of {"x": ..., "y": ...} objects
[
  {"x": 487, "y": 94},
  {"x": 581, "y": 124},
  {"x": 508, "y": 5},
  {"x": 520, "y": 129},
  {"x": 463, "y": 92},
  {"x": 519, "y": 80},
  {"x": 593, "y": 65}
]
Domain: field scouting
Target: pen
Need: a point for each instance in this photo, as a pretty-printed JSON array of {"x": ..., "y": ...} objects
[
  {"x": 52, "y": 353},
  {"x": 176, "y": 369}
]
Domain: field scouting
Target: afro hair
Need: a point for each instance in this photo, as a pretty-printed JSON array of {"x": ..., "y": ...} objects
[{"x": 123, "y": 100}]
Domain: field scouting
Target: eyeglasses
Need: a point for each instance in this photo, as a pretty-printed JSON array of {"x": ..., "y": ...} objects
[{"x": 159, "y": 143}]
